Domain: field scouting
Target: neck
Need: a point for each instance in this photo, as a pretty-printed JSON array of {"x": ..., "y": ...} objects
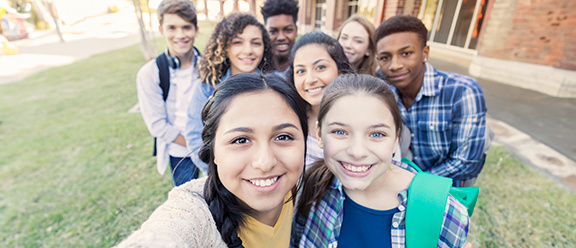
[
  {"x": 409, "y": 93},
  {"x": 186, "y": 59},
  {"x": 382, "y": 194},
  {"x": 312, "y": 118},
  {"x": 269, "y": 217},
  {"x": 281, "y": 65}
]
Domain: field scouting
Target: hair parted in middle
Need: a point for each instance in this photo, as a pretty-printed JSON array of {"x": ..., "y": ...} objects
[
  {"x": 225, "y": 206},
  {"x": 368, "y": 64},
  {"x": 215, "y": 62},
  {"x": 344, "y": 85},
  {"x": 332, "y": 46}
]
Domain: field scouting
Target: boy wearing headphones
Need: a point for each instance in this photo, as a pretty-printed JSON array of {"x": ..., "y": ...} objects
[{"x": 164, "y": 87}]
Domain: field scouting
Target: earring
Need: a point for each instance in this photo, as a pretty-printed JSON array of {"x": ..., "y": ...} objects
[{"x": 425, "y": 59}]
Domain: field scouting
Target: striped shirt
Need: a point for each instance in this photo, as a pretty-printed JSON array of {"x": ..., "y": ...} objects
[{"x": 321, "y": 228}]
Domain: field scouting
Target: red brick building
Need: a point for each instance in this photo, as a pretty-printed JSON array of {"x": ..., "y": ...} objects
[{"x": 526, "y": 43}]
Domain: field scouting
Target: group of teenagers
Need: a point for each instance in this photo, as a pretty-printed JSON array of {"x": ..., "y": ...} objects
[{"x": 275, "y": 141}]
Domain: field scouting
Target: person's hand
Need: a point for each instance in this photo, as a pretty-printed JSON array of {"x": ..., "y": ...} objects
[{"x": 467, "y": 245}]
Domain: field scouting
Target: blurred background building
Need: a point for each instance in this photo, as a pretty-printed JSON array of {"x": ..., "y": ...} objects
[{"x": 525, "y": 43}]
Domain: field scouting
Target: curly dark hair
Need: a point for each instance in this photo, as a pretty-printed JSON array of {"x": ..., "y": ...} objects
[
  {"x": 400, "y": 24},
  {"x": 225, "y": 206},
  {"x": 280, "y": 7},
  {"x": 215, "y": 60}
]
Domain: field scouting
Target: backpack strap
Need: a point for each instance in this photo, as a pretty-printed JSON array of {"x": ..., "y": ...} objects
[
  {"x": 427, "y": 196},
  {"x": 164, "y": 73}
]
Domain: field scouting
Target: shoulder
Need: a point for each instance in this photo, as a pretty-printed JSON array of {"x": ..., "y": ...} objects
[
  {"x": 184, "y": 220},
  {"x": 148, "y": 71},
  {"x": 457, "y": 82},
  {"x": 455, "y": 224}
]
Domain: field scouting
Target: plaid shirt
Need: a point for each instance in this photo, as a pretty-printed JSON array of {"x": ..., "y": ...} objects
[
  {"x": 447, "y": 121},
  {"x": 321, "y": 228}
]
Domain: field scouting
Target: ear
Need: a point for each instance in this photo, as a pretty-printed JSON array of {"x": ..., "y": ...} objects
[
  {"x": 160, "y": 29},
  {"x": 319, "y": 137},
  {"x": 396, "y": 144},
  {"x": 425, "y": 53},
  {"x": 196, "y": 33}
]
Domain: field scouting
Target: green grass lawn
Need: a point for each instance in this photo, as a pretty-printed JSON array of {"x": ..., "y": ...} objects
[{"x": 76, "y": 170}]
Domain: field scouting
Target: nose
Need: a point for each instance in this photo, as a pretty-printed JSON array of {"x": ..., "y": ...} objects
[
  {"x": 248, "y": 48},
  {"x": 264, "y": 159},
  {"x": 346, "y": 43},
  {"x": 310, "y": 77},
  {"x": 357, "y": 148},
  {"x": 395, "y": 64},
  {"x": 281, "y": 36},
  {"x": 179, "y": 33}
]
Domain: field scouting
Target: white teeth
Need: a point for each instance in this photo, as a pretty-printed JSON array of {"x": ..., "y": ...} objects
[
  {"x": 264, "y": 183},
  {"x": 356, "y": 168},
  {"x": 314, "y": 90}
]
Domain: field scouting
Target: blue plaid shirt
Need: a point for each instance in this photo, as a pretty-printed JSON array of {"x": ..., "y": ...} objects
[
  {"x": 447, "y": 121},
  {"x": 321, "y": 228}
]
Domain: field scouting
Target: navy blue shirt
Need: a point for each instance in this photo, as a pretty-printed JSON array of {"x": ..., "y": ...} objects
[{"x": 365, "y": 227}]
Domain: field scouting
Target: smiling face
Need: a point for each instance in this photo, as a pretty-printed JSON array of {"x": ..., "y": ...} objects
[
  {"x": 259, "y": 151},
  {"x": 359, "y": 138},
  {"x": 282, "y": 31},
  {"x": 314, "y": 70},
  {"x": 355, "y": 41},
  {"x": 245, "y": 50},
  {"x": 402, "y": 60},
  {"x": 179, "y": 35}
]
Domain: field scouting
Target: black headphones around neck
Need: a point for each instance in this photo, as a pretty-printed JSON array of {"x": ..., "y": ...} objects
[{"x": 173, "y": 61}]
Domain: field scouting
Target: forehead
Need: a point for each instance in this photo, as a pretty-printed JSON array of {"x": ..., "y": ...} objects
[
  {"x": 174, "y": 19},
  {"x": 248, "y": 110},
  {"x": 279, "y": 21},
  {"x": 250, "y": 31},
  {"x": 359, "y": 108},
  {"x": 397, "y": 41},
  {"x": 310, "y": 53},
  {"x": 355, "y": 29}
]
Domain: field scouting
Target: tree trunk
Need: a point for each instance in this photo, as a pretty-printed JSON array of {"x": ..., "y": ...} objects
[{"x": 147, "y": 46}]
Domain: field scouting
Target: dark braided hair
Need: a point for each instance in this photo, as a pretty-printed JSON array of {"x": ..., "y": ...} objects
[{"x": 225, "y": 206}]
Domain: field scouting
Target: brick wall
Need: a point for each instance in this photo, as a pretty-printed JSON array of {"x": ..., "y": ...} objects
[{"x": 532, "y": 31}]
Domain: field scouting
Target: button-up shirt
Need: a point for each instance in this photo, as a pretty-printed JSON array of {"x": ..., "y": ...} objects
[
  {"x": 447, "y": 121},
  {"x": 321, "y": 228}
]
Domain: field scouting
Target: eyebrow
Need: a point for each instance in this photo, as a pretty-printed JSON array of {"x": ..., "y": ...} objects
[
  {"x": 401, "y": 49},
  {"x": 250, "y": 130},
  {"x": 315, "y": 62},
  {"x": 371, "y": 126}
]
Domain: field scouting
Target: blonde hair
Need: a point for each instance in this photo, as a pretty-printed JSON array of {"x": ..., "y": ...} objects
[{"x": 368, "y": 64}]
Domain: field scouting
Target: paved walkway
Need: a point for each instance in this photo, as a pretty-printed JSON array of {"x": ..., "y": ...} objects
[{"x": 536, "y": 127}]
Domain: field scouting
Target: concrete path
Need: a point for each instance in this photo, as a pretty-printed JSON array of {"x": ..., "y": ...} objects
[
  {"x": 86, "y": 38},
  {"x": 537, "y": 128}
]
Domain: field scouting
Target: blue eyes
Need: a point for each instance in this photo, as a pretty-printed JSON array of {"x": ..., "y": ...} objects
[
  {"x": 338, "y": 132},
  {"x": 377, "y": 135}
]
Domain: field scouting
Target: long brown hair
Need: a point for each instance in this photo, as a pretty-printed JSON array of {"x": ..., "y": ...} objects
[
  {"x": 318, "y": 178},
  {"x": 368, "y": 63}
]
